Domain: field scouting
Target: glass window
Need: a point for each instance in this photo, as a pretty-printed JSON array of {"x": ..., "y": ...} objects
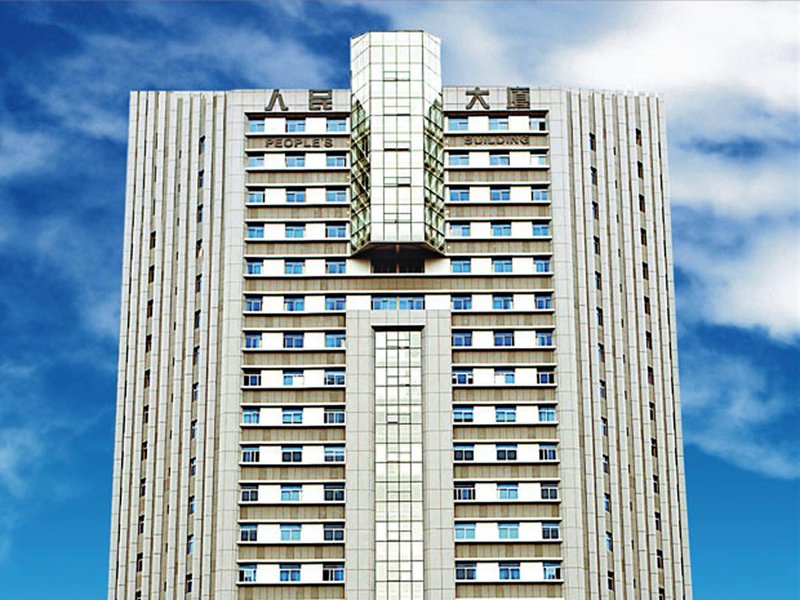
[
  {"x": 255, "y": 232},
  {"x": 550, "y": 531},
  {"x": 334, "y": 302},
  {"x": 289, "y": 572},
  {"x": 547, "y": 413},
  {"x": 501, "y": 265},
  {"x": 460, "y": 265},
  {"x": 464, "y": 452},
  {"x": 255, "y": 197},
  {"x": 503, "y": 338},
  {"x": 462, "y": 376},
  {"x": 502, "y": 301},
  {"x": 333, "y": 532},
  {"x": 336, "y": 125},
  {"x": 552, "y": 570},
  {"x": 498, "y": 194},
  {"x": 411, "y": 302},
  {"x": 334, "y": 453},
  {"x": 464, "y": 491},
  {"x": 466, "y": 571},
  {"x": 549, "y": 491},
  {"x": 462, "y": 338},
  {"x": 295, "y": 231},
  {"x": 498, "y": 123},
  {"x": 335, "y": 267},
  {"x": 292, "y": 416},
  {"x": 332, "y": 572},
  {"x": 247, "y": 573},
  {"x": 295, "y": 160},
  {"x": 547, "y": 452},
  {"x": 249, "y": 494},
  {"x": 335, "y": 160},
  {"x": 335, "y": 230},
  {"x": 465, "y": 531},
  {"x": 541, "y": 229},
  {"x": 461, "y": 302},
  {"x": 248, "y": 533},
  {"x": 541, "y": 265},
  {"x": 509, "y": 570},
  {"x": 334, "y": 492},
  {"x": 255, "y": 161},
  {"x": 251, "y": 416},
  {"x": 506, "y": 451},
  {"x": 333, "y": 416},
  {"x": 293, "y": 377},
  {"x": 543, "y": 301},
  {"x": 504, "y": 376},
  {"x": 334, "y": 340},
  {"x": 255, "y": 126},
  {"x": 457, "y": 124},
  {"x": 463, "y": 414},
  {"x": 458, "y": 159},
  {"x": 499, "y": 159},
  {"x": 295, "y": 196},
  {"x": 291, "y": 454},
  {"x": 544, "y": 338},
  {"x": 294, "y": 267},
  {"x": 538, "y": 124},
  {"x": 384, "y": 303},
  {"x": 294, "y": 303},
  {"x": 253, "y": 303},
  {"x": 459, "y": 194},
  {"x": 545, "y": 376},
  {"x": 508, "y": 531},
  {"x": 538, "y": 159},
  {"x": 336, "y": 195},
  {"x": 501, "y": 229},
  {"x": 251, "y": 454},
  {"x": 291, "y": 493},
  {"x": 505, "y": 414},
  {"x": 295, "y": 125},
  {"x": 459, "y": 229},
  {"x": 252, "y": 379},
  {"x": 538, "y": 195},
  {"x": 508, "y": 491},
  {"x": 334, "y": 376},
  {"x": 252, "y": 340}
]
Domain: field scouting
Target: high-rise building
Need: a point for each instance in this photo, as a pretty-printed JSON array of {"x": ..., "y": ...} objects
[{"x": 402, "y": 341}]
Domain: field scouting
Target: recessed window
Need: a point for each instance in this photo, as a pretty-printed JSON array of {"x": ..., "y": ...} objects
[
  {"x": 333, "y": 532},
  {"x": 498, "y": 123},
  {"x": 459, "y": 229},
  {"x": 294, "y": 267},
  {"x": 462, "y": 376},
  {"x": 508, "y": 491},
  {"x": 593, "y": 175},
  {"x": 506, "y": 452},
  {"x": 253, "y": 303},
  {"x": 466, "y": 571},
  {"x": 547, "y": 413},
  {"x": 334, "y": 377},
  {"x": 335, "y": 160},
  {"x": 335, "y": 230},
  {"x": 332, "y": 572},
  {"x": 461, "y": 302},
  {"x": 462, "y": 339},
  {"x": 464, "y": 491},
  {"x": 509, "y": 571},
  {"x": 548, "y": 452},
  {"x": 336, "y": 125},
  {"x": 294, "y": 303},
  {"x": 247, "y": 573},
  {"x": 459, "y": 194},
  {"x": 501, "y": 265},
  {"x": 291, "y": 454},
  {"x": 541, "y": 265},
  {"x": 255, "y": 197},
  {"x": 334, "y": 453},
  {"x": 334, "y": 340},
  {"x": 544, "y": 338},
  {"x": 335, "y": 267},
  {"x": 541, "y": 230},
  {"x": 504, "y": 376},
  {"x": 256, "y": 161},
  {"x": 291, "y": 493},
  {"x": 538, "y": 124},
  {"x": 464, "y": 452},
  {"x": 543, "y": 301},
  {"x": 295, "y": 160},
  {"x": 503, "y": 338},
  {"x": 248, "y": 533},
  {"x": 465, "y": 531},
  {"x": 540, "y": 195},
  {"x": 505, "y": 414},
  {"x": 549, "y": 491},
  {"x": 501, "y": 229},
  {"x": 335, "y": 195},
  {"x": 502, "y": 301},
  {"x": 508, "y": 531},
  {"x": 251, "y": 454},
  {"x": 463, "y": 414},
  {"x": 333, "y": 492},
  {"x": 295, "y": 195},
  {"x": 252, "y": 340},
  {"x": 254, "y": 267},
  {"x": 545, "y": 376},
  {"x": 293, "y": 377},
  {"x": 460, "y": 265},
  {"x": 251, "y": 416},
  {"x": 592, "y": 142},
  {"x": 252, "y": 379},
  {"x": 333, "y": 416},
  {"x": 457, "y": 124},
  {"x": 500, "y": 194},
  {"x": 499, "y": 159},
  {"x": 458, "y": 159},
  {"x": 335, "y": 302},
  {"x": 253, "y": 126},
  {"x": 293, "y": 340},
  {"x": 295, "y": 125}
]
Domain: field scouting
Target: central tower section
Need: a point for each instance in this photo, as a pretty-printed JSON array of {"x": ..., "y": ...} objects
[{"x": 397, "y": 178}]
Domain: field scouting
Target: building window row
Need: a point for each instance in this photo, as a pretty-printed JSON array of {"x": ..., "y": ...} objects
[
  {"x": 480, "y": 415},
  {"x": 298, "y": 160},
  {"x": 498, "y": 265},
  {"x": 498, "y": 229},
  {"x": 292, "y": 573},
  {"x": 293, "y": 493},
  {"x": 507, "y": 571},
  {"x": 502, "y": 376},
  {"x": 297, "y": 195},
  {"x": 498, "y": 194},
  {"x": 505, "y": 452},
  {"x": 482, "y": 123},
  {"x": 296, "y": 125},
  {"x": 314, "y": 416},
  {"x": 483, "y": 159},
  {"x": 295, "y": 231},
  {"x": 502, "y": 339}
]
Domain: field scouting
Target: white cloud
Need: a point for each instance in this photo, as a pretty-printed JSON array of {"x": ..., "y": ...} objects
[
  {"x": 24, "y": 151},
  {"x": 18, "y": 448}
]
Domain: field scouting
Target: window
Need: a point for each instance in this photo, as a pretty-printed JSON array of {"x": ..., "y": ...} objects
[
  {"x": 609, "y": 541},
  {"x": 541, "y": 265},
  {"x": 462, "y": 338},
  {"x": 547, "y": 413},
  {"x": 464, "y": 491},
  {"x": 551, "y": 570},
  {"x": 293, "y": 340},
  {"x": 252, "y": 379},
  {"x": 292, "y": 416},
  {"x": 466, "y": 571},
  {"x": 604, "y": 425},
  {"x": 251, "y": 416},
  {"x": 539, "y": 159},
  {"x": 334, "y": 302},
  {"x": 464, "y": 452},
  {"x": 499, "y": 159},
  {"x": 549, "y": 491},
  {"x": 465, "y": 531},
  {"x": 602, "y": 388},
  {"x": 652, "y": 411},
  {"x": 251, "y": 454},
  {"x": 332, "y": 572},
  {"x": 192, "y": 467},
  {"x": 254, "y": 267},
  {"x": 333, "y": 492},
  {"x": 139, "y": 562},
  {"x": 247, "y": 573},
  {"x": 294, "y": 267},
  {"x": 249, "y": 494},
  {"x": 656, "y": 485},
  {"x": 460, "y": 265},
  {"x": 593, "y": 175},
  {"x": 462, "y": 376},
  {"x": 334, "y": 376},
  {"x": 291, "y": 493},
  {"x": 601, "y": 352},
  {"x": 541, "y": 230},
  {"x": 334, "y": 340},
  {"x": 335, "y": 267},
  {"x": 508, "y": 531},
  {"x": 333, "y": 532},
  {"x": 292, "y": 377},
  {"x": 509, "y": 570},
  {"x": 295, "y": 196},
  {"x": 459, "y": 229},
  {"x": 504, "y": 376},
  {"x": 295, "y": 160},
  {"x": 506, "y": 452},
  {"x": 461, "y": 302},
  {"x": 547, "y": 452},
  {"x": 646, "y": 305},
  {"x": 640, "y": 170},
  {"x": 501, "y": 265},
  {"x": 539, "y": 195},
  {"x": 248, "y": 533},
  {"x": 335, "y": 160},
  {"x": 335, "y": 230},
  {"x": 336, "y": 125},
  {"x": 143, "y": 452},
  {"x": 457, "y": 123},
  {"x": 658, "y": 521},
  {"x": 289, "y": 572},
  {"x": 295, "y": 231},
  {"x": 255, "y": 161},
  {"x": 543, "y": 301},
  {"x": 463, "y": 414},
  {"x": 140, "y": 524},
  {"x": 508, "y": 491},
  {"x": 334, "y": 453},
  {"x": 544, "y": 338},
  {"x": 498, "y": 123},
  {"x": 607, "y": 502},
  {"x": 502, "y": 301},
  {"x": 458, "y": 159},
  {"x": 499, "y": 194},
  {"x": 645, "y": 271},
  {"x": 550, "y": 531},
  {"x": 660, "y": 559},
  {"x": 650, "y": 375},
  {"x": 291, "y": 454},
  {"x": 642, "y": 204},
  {"x": 592, "y": 141},
  {"x": 501, "y": 229},
  {"x": 295, "y": 125},
  {"x": 333, "y": 416},
  {"x": 538, "y": 124},
  {"x": 459, "y": 194},
  {"x": 294, "y": 303},
  {"x": 253, "y": 303},
  {"x": 606, "y": 465},
  {"x": 505, "y": 414},
  {"x": 151, "y": 274},
  {"x": 252, "y": 340},
  {"x": 255, "y": 126},
  {"x": 255, "y": 197},
  {"x": 610, "y": 580},
  {"x": 595, "y": 210},
  {"x": 503, "y": 338},
  {"x": 336, "y": 195},
  {"x": 411, "y": 302}
]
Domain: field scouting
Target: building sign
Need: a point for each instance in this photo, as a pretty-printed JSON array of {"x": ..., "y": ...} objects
[
  {"x": 320, "y": 99},
  {"x": 477, "y": 96},
  {"x": 301, "y": 142},
  {"x": 276, "y": 97},
  {"x": 494, "y": 140},
  {"x": 518, "y": 98}
]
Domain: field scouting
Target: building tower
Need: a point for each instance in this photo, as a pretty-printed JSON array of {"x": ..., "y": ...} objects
[{"x": 402, "y": 341}]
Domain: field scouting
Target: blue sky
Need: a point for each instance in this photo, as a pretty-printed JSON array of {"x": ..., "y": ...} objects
[{"x": 729, "y": 75}]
